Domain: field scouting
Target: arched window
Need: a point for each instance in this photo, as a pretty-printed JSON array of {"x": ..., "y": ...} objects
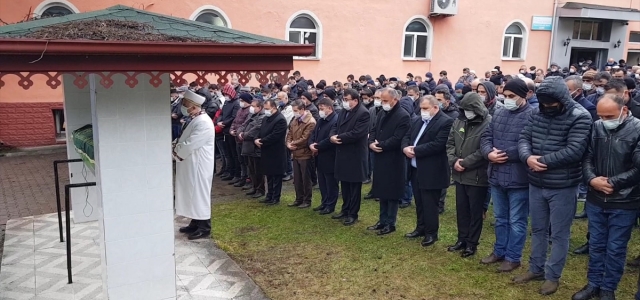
[
  {"x": 57, "y": 8},
  {"x": 514, "y": 41},
  {"x": 416, "y": 39},
  {"x": 211, "y": 15},
  {"x": 304, "y": 28}
]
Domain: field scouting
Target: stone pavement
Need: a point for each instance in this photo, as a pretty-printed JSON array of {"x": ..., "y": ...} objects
[
  {"x": 34, "y": 266},
  {"x": 27, "y": 190}
]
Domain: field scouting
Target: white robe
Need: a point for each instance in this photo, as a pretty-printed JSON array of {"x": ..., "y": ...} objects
[{"x": 194, "y": 174}]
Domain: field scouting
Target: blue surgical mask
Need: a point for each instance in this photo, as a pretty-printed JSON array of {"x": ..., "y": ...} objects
[
  {"x": 510, "y": 104},
  {"x": 440, "y": 105}
]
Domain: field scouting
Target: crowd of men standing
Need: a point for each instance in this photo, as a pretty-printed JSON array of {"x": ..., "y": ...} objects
[{"x": 532, "y": 148}]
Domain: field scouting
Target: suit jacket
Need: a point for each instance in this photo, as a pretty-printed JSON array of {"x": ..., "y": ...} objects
[
  {"x": 326, "y": 158},
  {"x": 273, "y": 151},
  {"x": 391, "y": 127},
  {"x": 352, "y": 128},
  {"x": 431, "y": 151}
]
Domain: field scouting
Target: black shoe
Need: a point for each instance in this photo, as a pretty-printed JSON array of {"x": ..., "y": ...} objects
[
  {"x": 469, "y": 251},
  {"x": 326, "y": 211},
  {"x": 607, "y": 295},
  {"x": 272, "y": 203},
  {"x": 199, "y": 234},
  {"x": 226, "y": 178},
  {"x": 251, "y": 192},
  {"x": 457, "y": 247},
  {"x": 376, "y": 226},
  {"x": 368, "y": 196},
  {"x": 440, "y": 210},
  {"x": 339, "y": 216},
  {"x": 404, "y": 205},
  {"x": 429, "y": 240},
  {"x": 240, "y": 183},
  {"x": 219, "y": 173},
  {"x": 265, "y": 200},
  {"x": 349, "y": 221},
  {"x": 247, "y": 187},
  {"x": 414, "y": 234},
  {"x": 234, "y": 180},
  {"x": 387, "y": 230},
  {"x": 257, "y": 195},
  {"x": 188, "y": 229},
  {"x": 294, "y": 204},
  {"x": 366, "y": 181},
  {"x": 304, "y": 205},
  {"x": 319, "y": 208},
  {"x": 224, "y": 174},
  {"x": 582, "y": 215},
  {"x": 586, "y": 293},
  {"x": 287, "y": 178},
  {"x": 584, "y": 249}
]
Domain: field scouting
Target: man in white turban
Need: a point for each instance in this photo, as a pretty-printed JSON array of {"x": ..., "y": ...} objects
[{"x": 194, "y": 156}]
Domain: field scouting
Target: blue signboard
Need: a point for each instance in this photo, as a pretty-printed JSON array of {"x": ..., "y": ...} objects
[{"x": 541, "y": 23}]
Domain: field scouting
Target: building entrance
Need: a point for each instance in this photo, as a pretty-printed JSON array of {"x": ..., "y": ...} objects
[{"x": 598, "y": 56}]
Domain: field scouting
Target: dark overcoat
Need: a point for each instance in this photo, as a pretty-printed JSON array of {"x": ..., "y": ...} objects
[
  {"x": 431, "y": 151},
  {"x": 352, "y": 127},
  {"x": 273, "y": 151},
  {"x": 389, "y": 167},
  {"x": 326, "y": 158}
]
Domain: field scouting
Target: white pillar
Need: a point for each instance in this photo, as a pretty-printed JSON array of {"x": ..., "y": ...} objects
[
  {"x": 77, "y": 113},
  {"x": 132, "y": 140}
]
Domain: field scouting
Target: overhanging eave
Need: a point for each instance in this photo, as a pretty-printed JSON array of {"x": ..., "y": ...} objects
[{"x": 588, "y": 13}]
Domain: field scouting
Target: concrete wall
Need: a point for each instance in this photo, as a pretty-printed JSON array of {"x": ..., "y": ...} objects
[{"x": 134, "y": 170}]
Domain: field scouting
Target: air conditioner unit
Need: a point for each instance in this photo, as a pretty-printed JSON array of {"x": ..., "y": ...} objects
[{"x": 444, "y": 7}]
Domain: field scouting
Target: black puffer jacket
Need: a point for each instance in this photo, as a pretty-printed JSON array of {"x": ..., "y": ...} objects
[
  {"x": 561, "y": 140},
  {"x": 610, "y": 155}
]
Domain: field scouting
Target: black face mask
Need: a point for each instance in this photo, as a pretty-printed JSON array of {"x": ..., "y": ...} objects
[{"x": 551, "y": 110}]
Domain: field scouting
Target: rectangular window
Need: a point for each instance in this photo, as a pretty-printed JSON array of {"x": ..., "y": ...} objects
[
  {"x": 306, "y": 38},
  {"x": 517, "y": 47},
  {"x": 587, "y": 30},
  {"x": 408, "y": 45},
  {"x": 59, "y": 123},
  {"x": 634, "y": 37},
  {"x": 506, "y": 46},
  {"x": 310, "y": 38},
  {"x": 294, "y": 36},
  {"x": 421, "y": 46}
]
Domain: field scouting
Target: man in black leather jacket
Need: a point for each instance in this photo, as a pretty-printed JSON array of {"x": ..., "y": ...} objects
[{"x": 614, "y": 195}]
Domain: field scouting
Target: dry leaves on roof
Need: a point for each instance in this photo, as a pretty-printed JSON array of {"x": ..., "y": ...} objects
[{"x": 106, "y": 30}]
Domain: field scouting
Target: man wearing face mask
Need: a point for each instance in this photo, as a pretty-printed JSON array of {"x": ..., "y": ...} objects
[
  {"x": 176, "y": 114},
  {"x": 408, "y": 102},
  {"x": 373, "y": 113},
  {"x": 574, "y": 84},
  {"x": 248, "y": 132},
  {"x": 241, "y": 117},
  {"x": 431, "y": 84},
  {"x": 600, "y": 80},
  {"x": 531, "y": 92},
  {"x": 325, "y": 156},
  {"x": 271, "y": 141},
  {"x": 297, "y": 142},
  {"x": 229, "y": 111},
  {"x": 587, "y": 82},
  {"x": 614, "y": 197},
  {"x": 194, "y": 155},
  {"x": 349, "y": 134},
  {"x": 508, "y": 177},
  {"x": 385, "y": 139},
  {"x": 487, "y": 91},
  {"x": 554, "y": 71},
  {"x": 552, "y": 145},
  {"x": 424, "y": 145}
]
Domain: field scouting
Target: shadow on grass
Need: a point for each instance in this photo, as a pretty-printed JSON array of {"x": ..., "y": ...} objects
[{"x": 294, "y": 253}]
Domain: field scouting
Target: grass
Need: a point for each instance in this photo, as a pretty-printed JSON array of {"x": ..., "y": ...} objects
[{"x": 296, "y": 254}]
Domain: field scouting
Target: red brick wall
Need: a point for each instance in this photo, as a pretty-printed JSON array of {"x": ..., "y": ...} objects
[{"x": 28, "y": 124}]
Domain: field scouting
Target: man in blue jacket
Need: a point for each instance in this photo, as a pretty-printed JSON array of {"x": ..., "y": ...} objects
[
  {"x": 552, "y": 145},
  {"x": 325, "y": 156},
  {"x": 508, "y": 176}
]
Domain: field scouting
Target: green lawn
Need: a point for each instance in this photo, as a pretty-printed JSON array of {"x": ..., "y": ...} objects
[{"x": 296, "y": 254}]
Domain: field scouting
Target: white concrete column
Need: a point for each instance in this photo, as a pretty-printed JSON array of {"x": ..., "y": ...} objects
[
  {"x": 132, "y": 132},
  {"x": 77, "y": 113}
]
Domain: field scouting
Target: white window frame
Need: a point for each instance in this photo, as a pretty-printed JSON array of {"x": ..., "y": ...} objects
[
  {"x": 525, "y": 40},
  {"x": 211, "y": 9},
  {"x": 317, "y": 31},
  {"x": 46, "y": 4},
  {"x": 424, "y": 20}
]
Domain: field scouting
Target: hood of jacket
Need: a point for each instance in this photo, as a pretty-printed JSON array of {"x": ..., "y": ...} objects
[
  {"x": 490, "y": 88},
  {"x": 473, "y": 102},
  {"x": 555, "y": 88}
]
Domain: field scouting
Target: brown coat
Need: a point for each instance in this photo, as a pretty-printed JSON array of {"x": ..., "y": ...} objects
[{"x": 299, "y": 134}]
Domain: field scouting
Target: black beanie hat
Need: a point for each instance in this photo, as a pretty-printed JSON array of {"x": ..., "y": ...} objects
[
  {"x": 331, "y": 93},
  {"x": 246, "y": 97},
  {"x": 518, "y": 87},
  {"x": 307, "y": 95}
]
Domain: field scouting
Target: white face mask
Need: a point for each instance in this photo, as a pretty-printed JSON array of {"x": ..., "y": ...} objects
[
  {"x": 268, "y": 113},
  {"x": 377, "y": 103},
  {"x": 600, "y": 90},
  {"x": 469, "y": 114},
  {"x": 252, "y": 110},
  {"x": 322, "y": 114},
  {"x": 243, "y": 104},
  {"x": 586, "y": 86},
  {"x": 426, "y": 115},
  {"x": 366, "y": 102},
  {"x": 613, "y": 124},
  {"x": 386, "y": 107},
  {"x": 297, "y": 114},
  {"x": 227, "y": 98},
  {"x": 345, "y": 105},
  {"x": 184, "y": 111},
  {"x": 392, "y": 85}
]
